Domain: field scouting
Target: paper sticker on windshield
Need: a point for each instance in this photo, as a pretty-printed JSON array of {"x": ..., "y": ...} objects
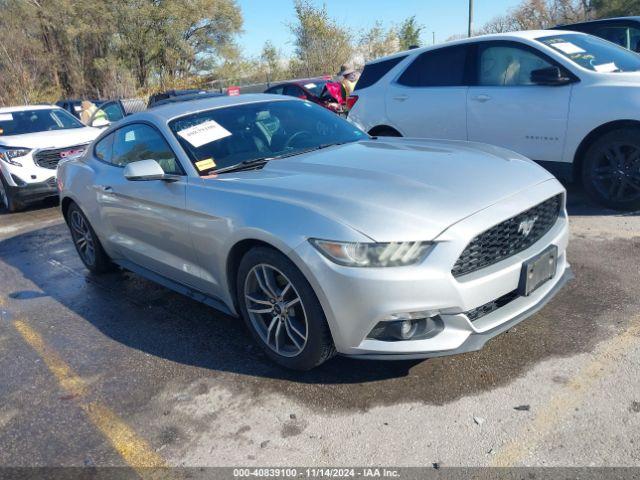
[
  {"x": 6, "y": 117},
  {"x": 204, "y": 133},
  {"x": 130, "y": 136},
  {"x": 567, "y": 47},
  {"x": 205, "y": 164},
  {"x": 310, "y": 85},
  {"x": 606, "y": 67},
  {"x": 77, "y": 108}
]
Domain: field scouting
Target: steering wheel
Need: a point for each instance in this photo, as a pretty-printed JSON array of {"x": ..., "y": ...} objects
[{"x": 295, "y": 136}]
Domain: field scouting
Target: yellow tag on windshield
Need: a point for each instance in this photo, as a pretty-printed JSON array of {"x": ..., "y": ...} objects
[{"x": 205, "y": 164}]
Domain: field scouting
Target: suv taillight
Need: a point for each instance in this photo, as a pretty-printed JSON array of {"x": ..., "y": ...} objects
[{"x": 351, "y": 101}]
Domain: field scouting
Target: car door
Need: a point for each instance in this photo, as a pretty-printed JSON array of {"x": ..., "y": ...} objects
[
  {"x": 428, "y": 99},
  {"x": 145, "y": 221},
  {"x": 507, "y": 109},
  {"x": 107, "y": 114}
]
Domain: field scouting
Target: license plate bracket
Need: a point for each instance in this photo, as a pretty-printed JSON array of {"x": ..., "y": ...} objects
[{"x": 538, "y": 270}]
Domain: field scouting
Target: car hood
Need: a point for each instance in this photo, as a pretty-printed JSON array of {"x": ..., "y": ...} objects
[
  {"x": 623, "y": 79},
  {"x": 51, "y": 139},
  {"x": 397, "y": 188}
]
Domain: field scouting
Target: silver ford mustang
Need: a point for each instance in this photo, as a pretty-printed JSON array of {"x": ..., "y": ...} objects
[{"x": 321, "y": 238}]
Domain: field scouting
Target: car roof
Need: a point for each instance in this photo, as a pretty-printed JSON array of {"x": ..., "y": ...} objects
[
  {"x": 25, "y": 108},
  {"x": 172, "y": 110},
  {"x": 522, "y": 35},
  {"x": 301, "y": 81},
  {"x": 185, "y": 97},
  {"x": 602, "y": 20}
]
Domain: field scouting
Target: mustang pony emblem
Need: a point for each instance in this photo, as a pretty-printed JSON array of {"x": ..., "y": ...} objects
[{"x": 526, "y": 226}]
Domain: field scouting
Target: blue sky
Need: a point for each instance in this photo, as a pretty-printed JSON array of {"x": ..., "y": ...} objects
[{"x": 267, "y": 19}]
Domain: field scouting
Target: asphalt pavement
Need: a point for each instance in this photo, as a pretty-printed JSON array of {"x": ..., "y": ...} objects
[{"x": 115, "y": 370}]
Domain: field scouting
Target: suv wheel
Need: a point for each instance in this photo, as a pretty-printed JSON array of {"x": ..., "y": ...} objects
[
  {"x": 611, "y": 169},
  {"x": 86, "y": 242},
  {"x": 281, "y": 310},
  {"x": 384, "y": 132},
  {"x": 6, "y": 200}
]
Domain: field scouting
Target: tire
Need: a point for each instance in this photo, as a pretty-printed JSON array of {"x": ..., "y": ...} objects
[
  {"x": 85, "y": 240},
  {"x": 293, "y": 333},
  {"x": 6, "y": 199},
  {"x": 611, "y": 169},
  {"x": 384, "y": 132}
]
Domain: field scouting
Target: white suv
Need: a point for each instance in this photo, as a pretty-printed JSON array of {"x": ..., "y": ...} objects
[
  {"x": 568, "y": 100},
  {"x": 33, "y": 140}
]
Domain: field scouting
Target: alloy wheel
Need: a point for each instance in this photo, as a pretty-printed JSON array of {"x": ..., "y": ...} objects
[
  {"x": 276, "y": 310},
  {"x": 83, "y": 237},
  {"x": 616, "y": 172}
]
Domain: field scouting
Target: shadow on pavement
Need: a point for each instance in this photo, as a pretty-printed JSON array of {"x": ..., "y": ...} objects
[
  {"x": 578, "y": 203},
  {"x": 149, "y": 318}
]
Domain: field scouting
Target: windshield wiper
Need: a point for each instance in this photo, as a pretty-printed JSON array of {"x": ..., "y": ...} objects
[
  {"x": 258, "y": 162},
  {"x": 244, "y": 165},
  {"x": 307, "y": 150}
]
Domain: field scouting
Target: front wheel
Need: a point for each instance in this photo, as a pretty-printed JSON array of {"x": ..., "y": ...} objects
[
  {"x": 282, "y": 311},
  {"x": 611, "y": 169},
  {"x": 6, "y": 199},
  {"x": 86, "y": 242}
]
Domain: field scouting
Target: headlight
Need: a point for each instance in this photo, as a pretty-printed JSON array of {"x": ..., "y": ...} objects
[
  {"x": 356, "y": 254},
  {"x": 9, "y": 155}
]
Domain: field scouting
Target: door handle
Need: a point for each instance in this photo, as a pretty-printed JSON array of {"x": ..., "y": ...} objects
[
  {"x": 104, "y": 188},
  {"x": 481, "y": 98},
  {"x": 401, "y": 98}
]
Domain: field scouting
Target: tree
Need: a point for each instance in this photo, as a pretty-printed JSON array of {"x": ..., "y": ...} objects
[
  {"x": 539, "y": 14},
  {"x": 271, "y": 59},
  {"x": 173, "y": 38},
  {"x": 84, "y": 48},
  {"x": 376, "y": 42},
  {"x": 409, "y": 33},
  {"x": 616, "y": 8},
  {"x": 321, "y": 43}
]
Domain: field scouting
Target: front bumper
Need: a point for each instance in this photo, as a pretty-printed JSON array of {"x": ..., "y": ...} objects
[
  {"x": 33, "y": 192},
  {"x": 477, "y": 339},
  {"x": 356, "y": 299}
]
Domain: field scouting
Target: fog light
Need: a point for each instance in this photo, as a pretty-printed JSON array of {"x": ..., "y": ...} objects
[{"x": 407, "y": 326}]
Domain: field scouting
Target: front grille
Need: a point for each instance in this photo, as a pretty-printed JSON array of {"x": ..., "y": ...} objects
[
  {"x": 508, "y": 238},
  {"x": 492, "y": 306},
  {"x": 50, "y": 158}
]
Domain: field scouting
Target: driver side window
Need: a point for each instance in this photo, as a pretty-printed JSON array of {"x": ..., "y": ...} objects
[
  {"x": 141, "y": 142},
  {"x": 506, "y": 65}
]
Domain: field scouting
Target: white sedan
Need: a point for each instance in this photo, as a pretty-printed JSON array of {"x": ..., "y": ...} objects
[{"x": 567, "y": 100}]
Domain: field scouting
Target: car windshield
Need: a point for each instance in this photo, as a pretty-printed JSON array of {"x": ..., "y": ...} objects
[
  {"x": 594, "y": 53},
  {"x": 219, "y": 138},
  {"x": 315, "y": 87},
  {"x": 32, "y": 121}
]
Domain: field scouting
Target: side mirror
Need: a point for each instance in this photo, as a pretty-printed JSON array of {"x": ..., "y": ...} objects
[
  {"x": 100, "y": 123},
  {"x": 550, "y": 76},
  {"x": 146, "y": 171}
]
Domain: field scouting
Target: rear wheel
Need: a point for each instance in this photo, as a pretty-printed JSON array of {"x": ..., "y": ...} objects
[
  {"x": 611, "y": 169},
  {"x": 86, "y": 242},
  {"x": 281, "y": 310},
  {"x": 6, "y": 199}
]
